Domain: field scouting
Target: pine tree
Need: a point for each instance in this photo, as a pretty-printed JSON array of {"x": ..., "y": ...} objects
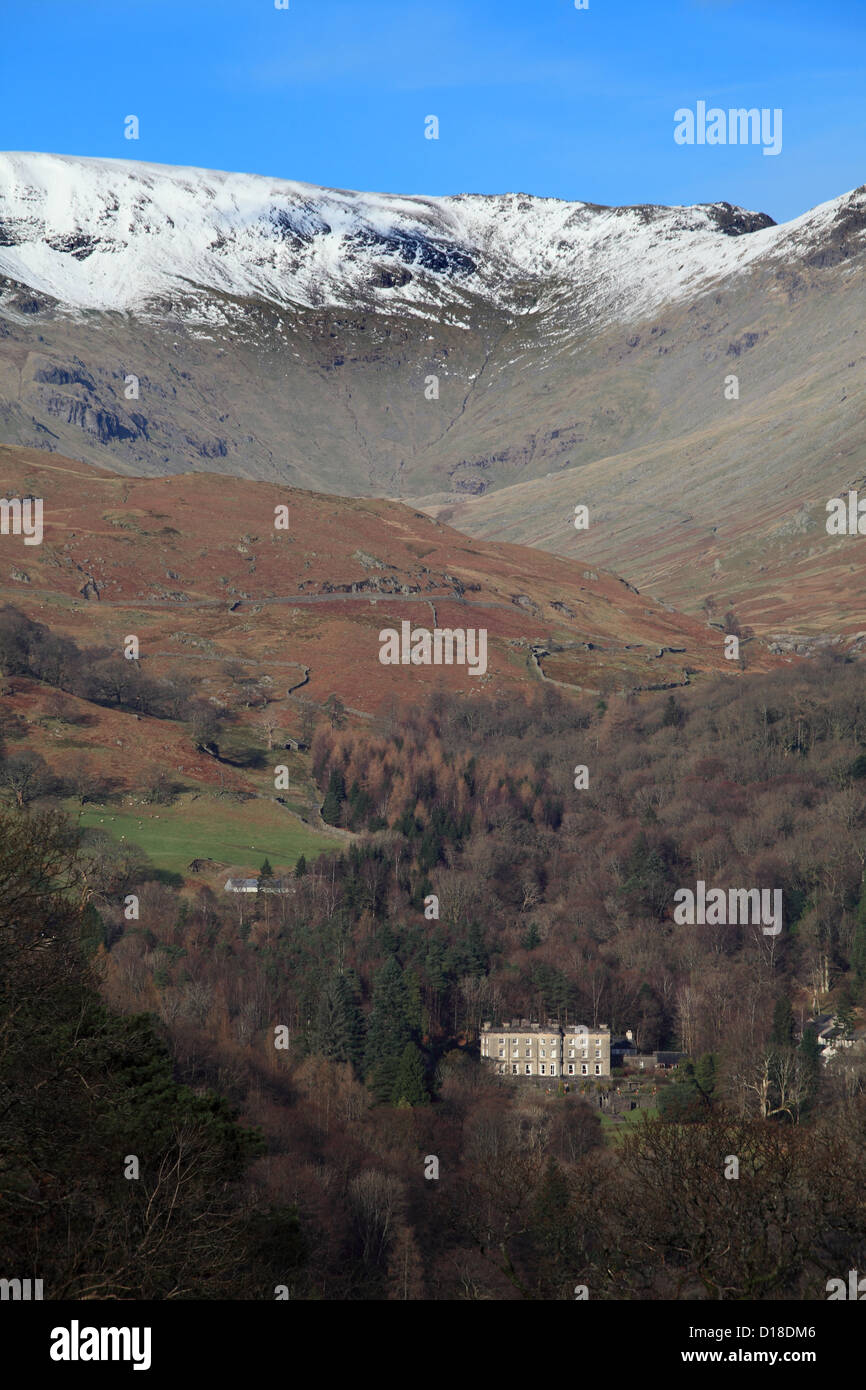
[
  {"x": 705, "y": 1076},
  {"x": 105, "y": 1087},
  {"x": 551, "y": 1227},
  {"x": 412, "y": 984},
  {"x": 435, "y": 964},
  {"x": 476, "y": 955},
  {"x": 810, "y": 1051},
  {"x": 266, "y": 871},
  {"x": 348, "y": 1024},
  {"x": 782, "y": 1034},
  {"x": 359, "y": 805},
  {"x": 651, "y": 1015},
  {"x": 334, "y": 798},
  {"x": 530, "y": 938},
  {"x": 339, "y": 1026},
  {"x": 389, "y": 1028},
  {"x": 410, "y": 1082},
  {"x": 301, "y": 867},
  {"x": 383, "y": 1078},
  {"x": 845, "y": 1010},
  {"x": 430, "y": 850},
  {"x": 647, "y": 877}
]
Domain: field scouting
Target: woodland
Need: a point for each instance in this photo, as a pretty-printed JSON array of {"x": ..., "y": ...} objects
[{"x": 300, "y": 1170}]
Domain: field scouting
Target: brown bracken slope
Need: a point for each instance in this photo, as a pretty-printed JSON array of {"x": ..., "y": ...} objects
[{"x": 194, "y": 566}]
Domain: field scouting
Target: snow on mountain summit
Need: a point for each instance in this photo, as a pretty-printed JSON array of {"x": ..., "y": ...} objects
[{"x": 120, "y": 235}]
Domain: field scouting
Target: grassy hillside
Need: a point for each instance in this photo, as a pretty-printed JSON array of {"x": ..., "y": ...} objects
[{"x": 239, "y": 836}]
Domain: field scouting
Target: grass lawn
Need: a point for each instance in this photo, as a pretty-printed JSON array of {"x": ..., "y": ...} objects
[
  {"x": 237, "y": 834},
  {"x": 615, "y": 1126}
]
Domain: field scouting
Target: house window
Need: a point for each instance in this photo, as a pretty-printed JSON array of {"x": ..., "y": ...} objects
[
  {"x": 528, "y": 1068},
  {"x": 541, "y": 1069},
  {"x": 584, "y": 1070},
  {"x": 597, "y": 1069},
  {"x": 571, "y": 1052},
  {"x": 553, "y": 1069},
  {"x": 514, "y": 1070},
  {"x": 571, "y": 1069},
  {"x": 543, "y": 1053},
  {"x": 501, "y": 1042}
]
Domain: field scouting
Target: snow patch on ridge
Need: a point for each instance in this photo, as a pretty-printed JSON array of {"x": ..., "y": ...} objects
[{"x": 118, "y": 235}]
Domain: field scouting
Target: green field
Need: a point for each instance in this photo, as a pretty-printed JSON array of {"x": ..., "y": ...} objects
[
  {"x": 237, "y": 834},
  {"x": 615, "y": 1126}
]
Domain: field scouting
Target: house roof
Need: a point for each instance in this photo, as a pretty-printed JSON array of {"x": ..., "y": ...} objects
[{"x": 553, "y": 1029}]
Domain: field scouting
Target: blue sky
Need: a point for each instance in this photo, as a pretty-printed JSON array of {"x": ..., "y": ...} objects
[{"x": 532, "y": 95}]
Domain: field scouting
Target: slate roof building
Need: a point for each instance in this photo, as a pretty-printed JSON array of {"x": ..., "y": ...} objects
[
  {"x": 259, "y": 885},
  {"x": 545, "y": 1050}
]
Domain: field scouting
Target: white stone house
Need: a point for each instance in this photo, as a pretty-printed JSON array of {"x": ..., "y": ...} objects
[
  {"x": 533, "y": 1049},
  {"x": 259, "y": 885}
]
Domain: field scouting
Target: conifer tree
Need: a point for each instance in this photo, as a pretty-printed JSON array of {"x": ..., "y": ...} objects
[
  {"x": 389, "y": 1028},
  {"x": 340, "y": 1025},
  {"x": 705, "y": 1076},
  {"x": 383, "y": 1078},
  {"x": 410, "y": 1084},
  {"x": 810, "y": 1052},
  {"x": 334, "y": 798},
  {"x": 550, "y": 1226},
  {"x": 845, "y": 1010},
  {"x": 82, "y": 1087},
  {"x": 782, "y": 1034},
  {"x": 530, "y": 938}
]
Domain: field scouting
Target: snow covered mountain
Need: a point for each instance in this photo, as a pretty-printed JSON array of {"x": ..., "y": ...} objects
[
  {"x": 115, "y": 235},
  {"x": 496, "y": 359}
]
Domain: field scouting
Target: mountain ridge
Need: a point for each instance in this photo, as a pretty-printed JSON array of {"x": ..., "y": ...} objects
[
  {"x": 298, "y": 243},
  {"x": 448, "y": 358}
]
